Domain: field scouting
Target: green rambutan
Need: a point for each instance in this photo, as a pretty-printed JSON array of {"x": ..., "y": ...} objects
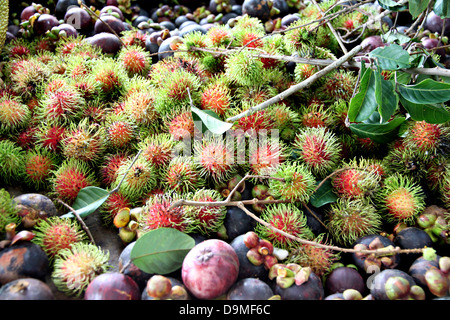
[
  {"x": 286, "y": 120},
  {"x": 318, "y": 148},
  {"x": 8, "y": 210},
  {"x": 400, "y": 198},
  {"x": 246, "y": 22},
  {"x": 39, "y": 164},
  {"x": 17, "y": 48},
  {"x": 75, "y": 267},
  {"x": 158, "y": 149},
  {"x": 156, "y": 213},
  {"x": 347, "y": 220},
  {"x": 110, "y": 77},
  {"x": 182, "y": 175},
  {"x": 12, "y": 161},
  {"x": 135, "y": 59},
  {"x": 136, "y": 178},
  {"x": 316, "y": 115},
  {"x": 444, "y": 190},
  {"x": 27, "y": 76},
  {"x": 292, "y": 181},
  {"x": 55, "y": 233},
  {"x": 319, "y": 259},
  {"x": 119, "y": 131},
  {"x": 14, "y": 115},
  {"x": 72, "y": 176},
  {"x": 205, "y": 219},
  {"x": 351, "y": 181},
  {"x": 84, "y": 141},
  {"x": 195, "y": 39},
  {"x": 425, "y": 138},
  {"x": 78, "y": 66},
  {"x": 244, "y": 69},
  {"x": 219, "y": 35},
  {"x": 215, "y": 157},
  {"x": 303, "y": 71},
  {"x": 140, "y": 107},
  {"x": 285, "y": 217},
  {"x": 405, "y": 161},
  {"x": 436, "y": 171},
  {"x": 338, "y": 85},
  {"x": 250, "y": 96},
  {"x": 62, "y": 106}
]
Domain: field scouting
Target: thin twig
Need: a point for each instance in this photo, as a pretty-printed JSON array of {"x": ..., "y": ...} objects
[{"x": 80, "y": 220}]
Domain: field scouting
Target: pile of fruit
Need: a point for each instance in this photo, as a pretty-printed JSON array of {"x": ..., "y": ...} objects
[{"x": 130, "y": 103}]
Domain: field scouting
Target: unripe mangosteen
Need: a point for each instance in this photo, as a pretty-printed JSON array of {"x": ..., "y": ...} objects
[
  {"x": 343, "y": 278},
  {"x": 237, "y": 222},
  {"x": 107, "y": 42},
  {"x": 312, "y": 289},
  {"x": 246, "y": 268},
  {"x": 127, "y": 267},
  {"x": 250, "y": 289},
  {"x": 411, "y": 238},
  {"x": 23, "y": 260},
  {"x": 45, "y": 22},
  {"x": 395, "y": 284},
  {"x": 112, "y": 286},
  {"x": 79, "y": 18},
  {"x": 26, "y": 289},
  {"x": 210, "y": 269},
  {"x": 108, "y": 20}
]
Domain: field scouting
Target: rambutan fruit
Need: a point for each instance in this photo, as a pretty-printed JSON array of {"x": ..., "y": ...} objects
[
  {"x": 351, "y": 181},
  {"x": 444, "y": 190},
  {"x": 27, "y": 138},
  {"x": 405, "y": 161},
  {"x": 157, "y": 213},
  {"x": 182, "y": 175},
  {"x": 68, "y": 179},
  {"x": 115, "y": 202},
  {"x": 244, "y": 69},
  {"x": 246, "y": 22},
  {"x": 12, "y": 161},
  {"x": 250, "y": 96},
  {"x": 140, "y": 107},
  {"x": 286, "y": 120},
  {"x": 319, "y": 259},
  {"x": 78, "y": 66},
  {"x": 55, "y": 233},
  {"x": 316, "y": 115},
  {"x": 50, "y": 135},
  {"x": 84, "y": 141},
  {"x": 219, "y": 35},
  {"x": 436, "y": 171},
  {"x": 264, "y": 159},
  {"x": 195, "y": 39},
  {"x": 250, "y": 125},
  {"x": 111, "y": 162},
  {"x": 318, "y": 148},
  {"x": 215, "y": 158},
  {"x": 292, "y": 181},
  {"x": 63, "y": 105},
  {"x": 205, "y": 219},
  {"x": 110, "y": 77},
  {"x": 119, "y": 131},
  {"x": 338, "y": 85},
  {"x": 39, "y": 163},
  {"x": 14, "y": 115},
  {"x": 17, "y": 48},
  {"x": 285, "y": 217},
  {"x": 347, "y": 220},
  {"x": 216, "y": 97},
  {"x": 27, "y": 76},
  {"x": 303, "y": 71},
  {"x": 8, "y": 210},
  {"x": 400, "y": 199},
  {"x": 135, "y": 60},
  {"x": 75, "y": 267},
  {"x": 248, "y": 38},
  {"x": 425, "y": 138},
  {"x": 136, "y": 178},
  {"x": 181, "y": 125},
  {"x": 158, "y": 149},
  {"x": 133, "y": 38}
]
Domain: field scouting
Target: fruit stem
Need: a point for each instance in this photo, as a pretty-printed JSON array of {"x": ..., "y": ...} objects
[{"x": 79, "y": 220}]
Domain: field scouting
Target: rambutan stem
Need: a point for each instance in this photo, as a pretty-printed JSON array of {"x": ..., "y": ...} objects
[
  {"x": 83, "y": 225},
  {"x": 126, "y": 172}
]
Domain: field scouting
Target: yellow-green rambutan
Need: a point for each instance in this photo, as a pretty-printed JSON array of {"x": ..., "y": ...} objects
[
  {"x": 12, "y": 161},
  {"x": 182, "y": 175}
]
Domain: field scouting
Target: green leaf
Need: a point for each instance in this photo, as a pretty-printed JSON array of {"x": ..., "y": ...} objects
[
  {"x": 427, "y": 91},
  {"x": 393, "y": 36},
  {"x": 442, "y": 8},
  {"x": 88, "y": 200},
  {"x": 380, "y": 133},
  {"x": 363, "y": 104},
  {"x": 416, "y": 7},
  {"x": 323, "y": 195},
  {"x": 161, "y": 251},
  {"x": 210, "y": 121},
  {"x": 430, "y": 113},
  {"x": 385, "y": 96},
  {"x": 392, "y": 57},
  {"x": 392, "y": 5}
]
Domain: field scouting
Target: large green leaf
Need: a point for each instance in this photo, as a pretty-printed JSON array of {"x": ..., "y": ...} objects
[
  {"x": 442, "y": 8},
  {"x": 427, "y": 91},
  {"x": 427, "y": 112},
  {"x": 392, "y": 57},
  {"x": 363, "y": 104},
  {"x": 88, "y": 200},
  {"x": 323, "y": 195},
  {"x": 209, "y": 121},
  {"x": 161, "y": 251},
  {"x": 380, "y": 132},
  {"x": 416, "y": 7},
  {"x": 385, "y": 96},
  {"x": 392, "y": 5}
]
